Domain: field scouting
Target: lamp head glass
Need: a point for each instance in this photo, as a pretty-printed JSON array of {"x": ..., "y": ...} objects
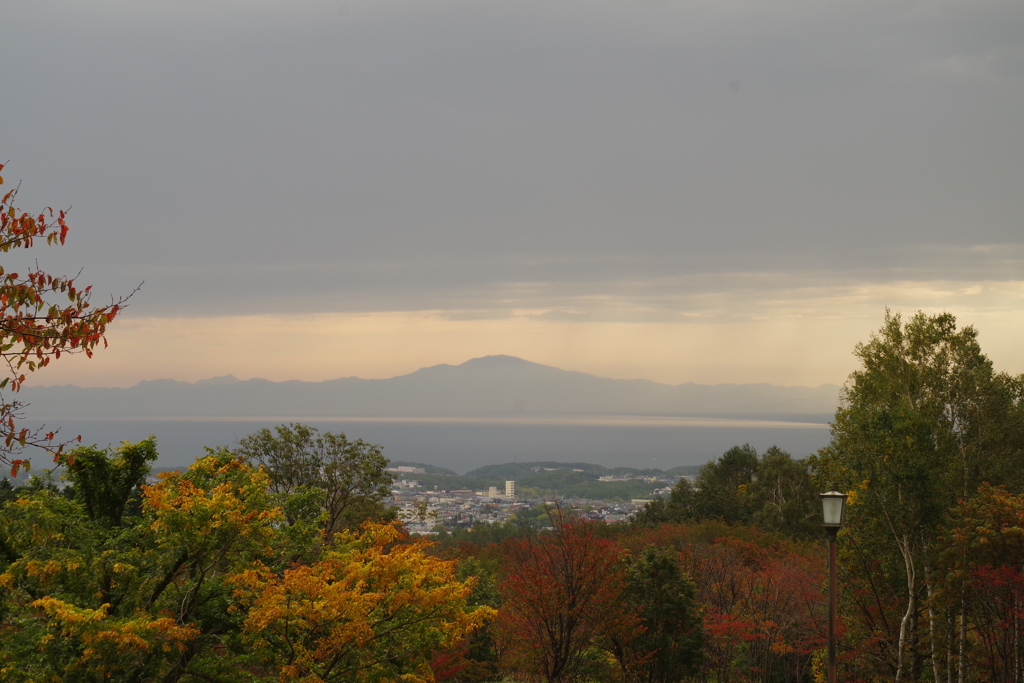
[{"x": 833, "y": 506}]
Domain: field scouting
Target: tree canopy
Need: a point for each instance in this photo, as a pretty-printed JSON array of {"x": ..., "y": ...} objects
[
  {"x": 923, "y": 423},
  {"x": 772, "y": 490},
  {"x": 349, "y": 478},
  {"x": 199, "y": 578}
]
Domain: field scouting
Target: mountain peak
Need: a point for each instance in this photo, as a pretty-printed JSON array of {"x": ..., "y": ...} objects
[
  {"x": 499, "y": 361},
  {"x": 223, "y": 379}
]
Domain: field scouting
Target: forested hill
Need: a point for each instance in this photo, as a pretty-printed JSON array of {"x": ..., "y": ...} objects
[
  {"x": 483, "y": 387},
  {"x": 521, "y": 470}
]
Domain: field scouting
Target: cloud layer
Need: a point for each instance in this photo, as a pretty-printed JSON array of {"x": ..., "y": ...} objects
[{"x": 583, "y": 162}]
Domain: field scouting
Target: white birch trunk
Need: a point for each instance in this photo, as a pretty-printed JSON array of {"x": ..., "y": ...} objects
[
  {"x": 905, "y": 622},
  {"x": 936, "y": 661}
]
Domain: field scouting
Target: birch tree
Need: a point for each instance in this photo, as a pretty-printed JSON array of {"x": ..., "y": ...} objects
[{"x": 922, "y": 422}]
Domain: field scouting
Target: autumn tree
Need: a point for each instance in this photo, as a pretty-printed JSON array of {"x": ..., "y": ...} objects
[
  {"x": 558, "y": 593},
  {"x": 191, "y": 578},
  {"x": 981, "y": 564},
  {"x": 351, "y": 477},
  {"x": 473, "y": 659},
  {"x": 764, "y": 609},
  {"x": 42, "y": 317},
  {"x": 371, "y": 609},
  {"x": 109, "y": 591}
]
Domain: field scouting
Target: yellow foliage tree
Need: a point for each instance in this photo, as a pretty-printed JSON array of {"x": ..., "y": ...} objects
[
  {"x": 374, "y": 608},
  {"x": 200, "y": 578}
]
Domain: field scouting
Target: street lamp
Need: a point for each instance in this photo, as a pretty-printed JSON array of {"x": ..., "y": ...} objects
[{"x": 833, "y": 506}]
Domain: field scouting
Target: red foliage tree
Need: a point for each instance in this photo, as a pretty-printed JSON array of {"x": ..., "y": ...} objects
[
  {"x": 559, "y": 593},
  {"x": 765, "y": 610},
  {"x": 764, "y": 605},
  {"x": 42, "y": 317}
]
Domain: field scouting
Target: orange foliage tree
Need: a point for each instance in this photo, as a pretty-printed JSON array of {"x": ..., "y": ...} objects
[
  {"x": 374, "y": 608},
  {"x": 42, "y": 317}
]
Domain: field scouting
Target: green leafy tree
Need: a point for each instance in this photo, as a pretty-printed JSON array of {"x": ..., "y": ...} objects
[
  {"x": 538, "y": 516},
  {"x": 784, "y": 497},
  {"x": 677, "y": 508},
  {"x": 667, "y": 646},
  {"x": 922, "y": 423},
  {"x": 6, "y": 491},
  {"x": 723, "y": 487},
  {"x": 108, "y": 483},
  {"x": 773, "y": 491},
  {"x": 483, "y": 533},
  {"x": 351, "y": 476}
]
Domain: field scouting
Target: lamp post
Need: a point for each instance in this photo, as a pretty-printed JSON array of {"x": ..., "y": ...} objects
[{"x": 833, "y": 506}]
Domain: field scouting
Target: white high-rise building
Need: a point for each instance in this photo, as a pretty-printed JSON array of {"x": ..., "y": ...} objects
[{"x": 510, "y": 489}]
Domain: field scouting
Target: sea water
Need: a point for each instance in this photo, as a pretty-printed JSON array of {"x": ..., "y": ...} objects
[{"x": 465, "y": 444}]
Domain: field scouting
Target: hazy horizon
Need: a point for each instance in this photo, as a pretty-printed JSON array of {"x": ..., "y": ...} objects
[{"x": 230, "y": 378}]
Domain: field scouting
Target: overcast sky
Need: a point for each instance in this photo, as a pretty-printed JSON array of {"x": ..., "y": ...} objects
[{"x": 691, "y": 190}]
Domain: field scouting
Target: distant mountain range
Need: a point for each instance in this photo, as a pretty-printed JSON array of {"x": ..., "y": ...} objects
[{"x": 488, "y": 387}]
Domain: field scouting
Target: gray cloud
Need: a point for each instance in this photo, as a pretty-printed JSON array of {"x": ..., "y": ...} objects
[{"x": 481, "y": 156}]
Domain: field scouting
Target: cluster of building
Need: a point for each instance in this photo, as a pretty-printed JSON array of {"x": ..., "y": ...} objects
[{"x": 425, "y": 511}]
